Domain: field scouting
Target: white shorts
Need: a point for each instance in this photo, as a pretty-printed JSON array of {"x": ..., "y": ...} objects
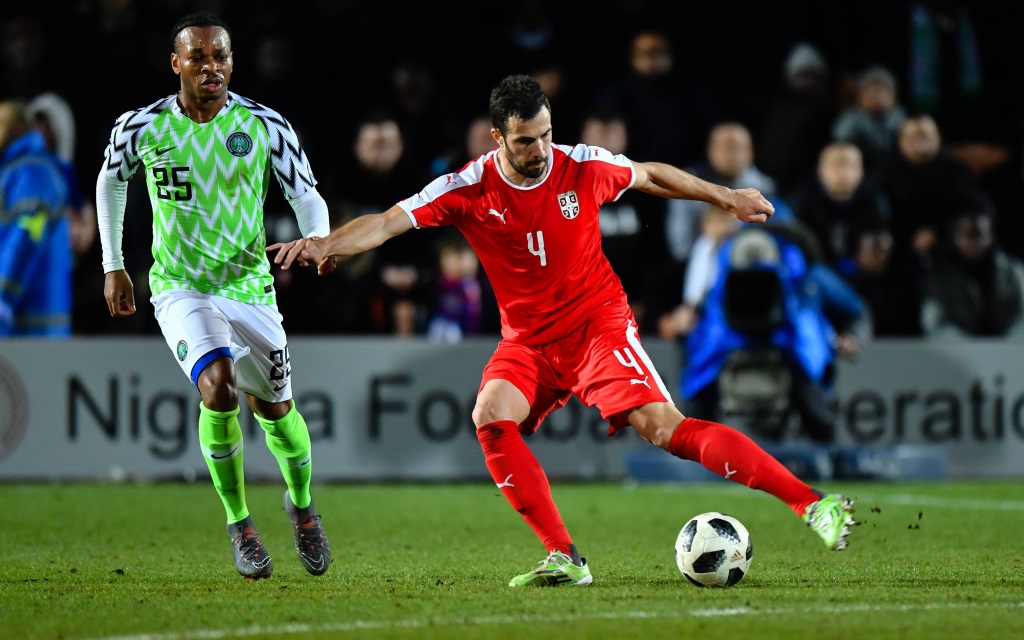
[{"x": 200, "y": 328}]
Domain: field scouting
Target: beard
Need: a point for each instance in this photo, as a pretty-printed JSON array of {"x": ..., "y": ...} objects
[{"x": 534, "y": 172}]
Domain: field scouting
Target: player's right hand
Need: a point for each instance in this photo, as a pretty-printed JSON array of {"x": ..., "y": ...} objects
[
  {"x": 120, "y": 293},
  {"x": 749, "y": 205}
]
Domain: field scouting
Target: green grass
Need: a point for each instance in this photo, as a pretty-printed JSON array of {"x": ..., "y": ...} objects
[{"x": 153, "y": 562}]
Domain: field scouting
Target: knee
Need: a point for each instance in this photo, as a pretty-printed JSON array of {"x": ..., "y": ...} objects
[
  {"x": 657, "y": 423},
  {"x": 217, "y": 385},
  {"x": 272, "y": 411},
  {"x": 661, "y": 436},
  {"x": 485, "y": 412}
]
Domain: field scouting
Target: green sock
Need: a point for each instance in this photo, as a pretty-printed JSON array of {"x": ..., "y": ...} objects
[
  {"x": 220, "y": 436},
  {"x": 288, "y": 440}
]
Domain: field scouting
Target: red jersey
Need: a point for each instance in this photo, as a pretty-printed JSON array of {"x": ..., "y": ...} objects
[{"x": 539, "y": 245}]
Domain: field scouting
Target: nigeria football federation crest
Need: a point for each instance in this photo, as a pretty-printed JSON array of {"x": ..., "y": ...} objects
[
  {"x": 569, "y": 204},
  {"x": 182, "y": 350},
  {"x": 239, "y": 144}
]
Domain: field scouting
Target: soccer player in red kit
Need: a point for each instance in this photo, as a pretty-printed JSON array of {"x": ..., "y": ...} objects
[{"x": 530, "y": 210}]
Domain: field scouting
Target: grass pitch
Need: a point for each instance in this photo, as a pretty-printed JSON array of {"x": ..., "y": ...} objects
[{"x": 153, "y": 562}]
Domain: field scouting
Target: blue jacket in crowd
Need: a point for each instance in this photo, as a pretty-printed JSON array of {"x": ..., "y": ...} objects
[
  {"x": 814, "y": 299},
  {"x": 35, "y": 245}
]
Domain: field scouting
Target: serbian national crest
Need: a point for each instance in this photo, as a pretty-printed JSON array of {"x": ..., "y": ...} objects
[{"x": 569, "y": 204}]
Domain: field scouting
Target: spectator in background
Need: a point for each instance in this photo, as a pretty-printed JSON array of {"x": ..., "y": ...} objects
[
  {"x": 52, "y": 116},
  {"x": 798, "y": 120},
  {"x": 923, "y": 183},
  {"x": 729, "y": 161},
  {"x": 457, "y": 309},
  {"x": 35, "y": 248},
  {"x": 702, "y": 271},
  {"x": 890, "y": 290},
  {"x": 837, "y": 200},
  {"x": 669, "y": 116},
  {"x": 478, "y": 139},
  {"x": 816, "y": 318},
  {"x": 416, "y": 104},
  {"x": 977, "y": 289},
  {"x": 630, "y": 226},
  {"x": 386, "y": 287},
  {"x": 873, "y": 122}
]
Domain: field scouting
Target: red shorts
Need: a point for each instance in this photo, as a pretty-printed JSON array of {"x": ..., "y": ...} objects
[{"x": 602, "y": 363}]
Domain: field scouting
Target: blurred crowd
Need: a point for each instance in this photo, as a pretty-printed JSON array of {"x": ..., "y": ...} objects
[{"x": 883, "y": 130}]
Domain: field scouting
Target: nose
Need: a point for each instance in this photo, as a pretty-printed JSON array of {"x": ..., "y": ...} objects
[{"x": 212, "y": 65}]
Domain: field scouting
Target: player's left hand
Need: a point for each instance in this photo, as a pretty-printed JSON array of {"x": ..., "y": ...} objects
[
  {"x": 305, "y": 251},
  {"x": 289, "y": 252},
  {"x": 750, "y": 206}
]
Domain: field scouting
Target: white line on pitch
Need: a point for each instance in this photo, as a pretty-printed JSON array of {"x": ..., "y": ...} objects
[{"x": 364, "y": 625}]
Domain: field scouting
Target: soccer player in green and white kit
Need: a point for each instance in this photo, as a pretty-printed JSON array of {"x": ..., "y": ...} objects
[{"x": 207, "y": 155}]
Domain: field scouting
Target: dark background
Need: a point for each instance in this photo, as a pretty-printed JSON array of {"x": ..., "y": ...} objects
[
  {"x": 109, "y": 57},
  {"x": 324, "y": 64}
]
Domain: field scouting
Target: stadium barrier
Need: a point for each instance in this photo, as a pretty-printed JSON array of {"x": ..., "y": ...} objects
[{"x": 383, "y": 410}]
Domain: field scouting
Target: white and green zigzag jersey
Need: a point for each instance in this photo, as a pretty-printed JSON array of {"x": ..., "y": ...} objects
[{"x": 207, "y": 184}]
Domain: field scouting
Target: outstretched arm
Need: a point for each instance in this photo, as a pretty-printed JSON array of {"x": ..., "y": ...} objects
[
  {"x": 352, "y": 238},
  {"x": 664, "y": 180}
]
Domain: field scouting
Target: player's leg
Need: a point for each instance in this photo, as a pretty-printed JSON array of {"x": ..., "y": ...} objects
[
  {"x": 200, "y": 337},
  {"x": 265, "y": 377},
  {"x": 288, "y": 439},
  {"x": 621, "y": 379},
  {"x": 500, "y": 409},
  {"x": 220, "y": 435},
  {"x": 735, "y": 456}
]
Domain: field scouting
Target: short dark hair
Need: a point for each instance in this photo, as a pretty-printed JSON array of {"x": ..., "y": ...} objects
[
  {"x": 197, "y": 19},
  {"x": 517, "y": 96}
]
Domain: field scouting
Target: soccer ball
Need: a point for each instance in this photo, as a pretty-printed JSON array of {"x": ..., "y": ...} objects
[{"x": 714, "y": 550}]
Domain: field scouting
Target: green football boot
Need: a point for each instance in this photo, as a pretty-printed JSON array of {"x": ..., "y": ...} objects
[
  {"x": 555, "y": 570},
  {"x": 831, "y": 518}
]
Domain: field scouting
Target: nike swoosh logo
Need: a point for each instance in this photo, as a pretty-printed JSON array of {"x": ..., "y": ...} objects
[
  {"x": 226, "y": 455},
  {"x": 161, "y": 152},
  {"x": 261, "y": 562},
  {"x": 315, "y": 562}
]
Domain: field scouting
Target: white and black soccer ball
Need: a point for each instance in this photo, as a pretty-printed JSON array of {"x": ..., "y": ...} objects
[{"x": 714, "y": 550}]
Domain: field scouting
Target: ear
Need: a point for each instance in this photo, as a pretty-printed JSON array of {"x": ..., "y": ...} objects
[
  {"x": 175, "y": 64},
  {"x": 497, "y": 137}
]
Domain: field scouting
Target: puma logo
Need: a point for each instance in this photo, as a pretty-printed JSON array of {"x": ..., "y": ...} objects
[
  {"x": 728, "y": 472},
  {"x": 506, "y": 483},
  {"x": 499, "y": 215},
  {"x": 644, "y": 382}
]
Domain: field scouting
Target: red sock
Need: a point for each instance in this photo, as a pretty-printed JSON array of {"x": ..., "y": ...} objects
[
  {"x": 523, "y": 482},
  {"x": 728, "y": 452}
]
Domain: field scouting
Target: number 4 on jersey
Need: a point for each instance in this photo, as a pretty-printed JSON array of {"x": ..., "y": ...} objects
[{"x": 539, "y": 251}]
